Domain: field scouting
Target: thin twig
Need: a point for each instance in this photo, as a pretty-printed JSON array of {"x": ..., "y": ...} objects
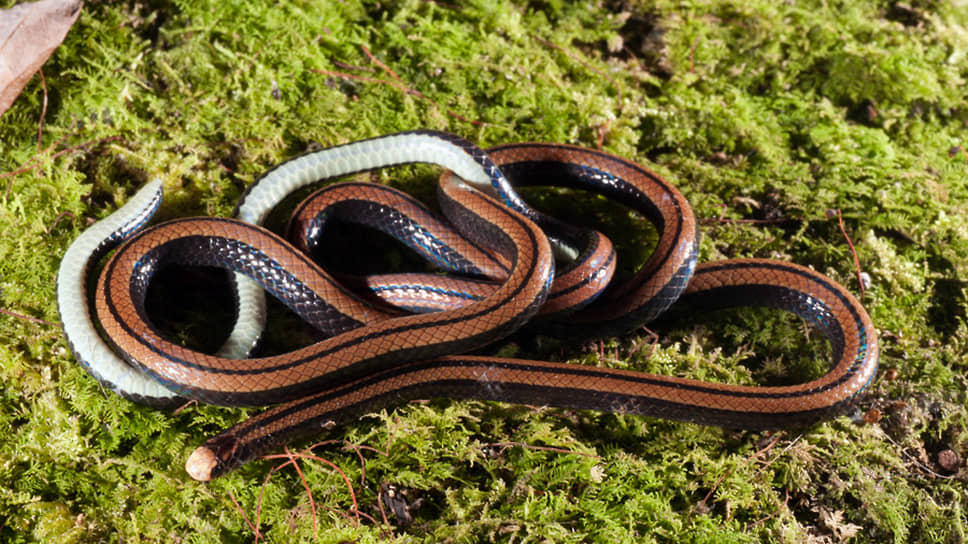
[
  {"x": 379, "y": 504},
  {"x": 262, "y": 491},
  {"x": 255, "y": 529},
  {"x": 692, "y": 54},
  {"x": 36, "y": 163},
  {"x": 309, "y": 493},
  {"x": 764, "y": 519},
  {"x": 23, "y": 167},
  {"x": 359, "y": 455},
  {"x": 382, "y": 66},
  {"x": 853, "y": 250},
  {"x": 779, "y": 454},
  {"x": 56, "y": 220},
  {"x": 26, "y": 317},
  {"x": 754, "y": 455},
  {"x": 303, "y": 455},
  {"x": 654, "y": 341},
  {"x": 368, "y": 517},
  {"x": 188, "y": 404},
  {"x": 602, "y": 131},
  {"x": 915, "y": 461},
  {"x": 345, "y": 66}
]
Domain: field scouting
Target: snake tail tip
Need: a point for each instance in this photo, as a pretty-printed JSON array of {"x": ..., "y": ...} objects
[{"x": 201, "y": 463}]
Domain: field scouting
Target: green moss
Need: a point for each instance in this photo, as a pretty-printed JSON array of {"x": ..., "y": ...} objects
[{"x": 756, "y": 109}]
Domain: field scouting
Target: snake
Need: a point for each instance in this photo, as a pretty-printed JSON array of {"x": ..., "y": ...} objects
[{"x": 379, "y": 353}]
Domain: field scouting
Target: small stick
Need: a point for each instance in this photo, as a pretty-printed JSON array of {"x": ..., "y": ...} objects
[
  {"x": 853, "y": 250},
  {"x": 26, "y": 317}
]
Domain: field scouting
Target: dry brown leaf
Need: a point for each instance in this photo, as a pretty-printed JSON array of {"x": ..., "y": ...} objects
[{"x": 29, "y": 34}]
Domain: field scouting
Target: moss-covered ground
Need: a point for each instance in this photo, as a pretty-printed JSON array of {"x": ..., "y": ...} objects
[{"x": 777, "y": 112}]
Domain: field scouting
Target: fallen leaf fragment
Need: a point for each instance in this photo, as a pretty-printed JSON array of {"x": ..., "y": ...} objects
[{"x": 29, "y": 34}]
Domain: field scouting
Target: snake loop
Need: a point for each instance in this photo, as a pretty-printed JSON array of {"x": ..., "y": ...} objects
[{"x": 378, "y": 353}]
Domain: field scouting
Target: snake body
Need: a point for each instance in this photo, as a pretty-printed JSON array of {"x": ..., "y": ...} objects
[
  {"x": 90, "y": 350},
  {"x": 376, "y": 356}
]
